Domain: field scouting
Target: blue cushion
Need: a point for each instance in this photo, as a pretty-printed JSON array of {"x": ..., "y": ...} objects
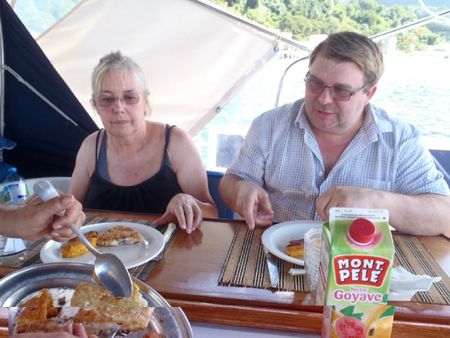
[
  {"x": 6, "y": 144},
  {"x": 213, "y": 186}
]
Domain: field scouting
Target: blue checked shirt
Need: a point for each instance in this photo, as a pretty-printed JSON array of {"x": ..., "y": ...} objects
[{"x": 281, "y": 155}]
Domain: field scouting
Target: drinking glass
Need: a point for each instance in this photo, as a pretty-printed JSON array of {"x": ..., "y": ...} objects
[{"x": 313, "y": 240}]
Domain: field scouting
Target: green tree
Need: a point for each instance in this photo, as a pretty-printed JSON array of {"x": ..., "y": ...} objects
[{"x": 306, "y": 17}]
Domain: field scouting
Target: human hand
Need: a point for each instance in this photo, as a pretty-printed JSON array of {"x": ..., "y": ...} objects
[
  {"x": 72, "y": 331},
  {"x": 253, "y": 204},
  {"x": 346, "y": 197},
  {"x": 38, "y": 219},
  {"x": 73, "y": 215},
  {"x": 185, "y": 209}
]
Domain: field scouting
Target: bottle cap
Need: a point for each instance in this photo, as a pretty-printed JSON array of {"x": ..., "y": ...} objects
[
  {"x": 12, "y": 170},
  {"x": 362, "y": 231}
]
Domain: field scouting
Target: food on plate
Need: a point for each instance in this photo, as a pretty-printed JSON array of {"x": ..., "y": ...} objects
[
  {"x": 113, "y": 236},
  {"x": 54, "y": 324},
  {"x": 95, "y": 295},
  {"x": 129, "y": 319},
  {"x": 74, "y": 247},
  {"x": 37, "y": 308},
  {"x": 91, "y": 304},
  {"x": 295, "y": 248},
  {"x": 98, "y": 321},
  {"x": 118, "y": 235}
]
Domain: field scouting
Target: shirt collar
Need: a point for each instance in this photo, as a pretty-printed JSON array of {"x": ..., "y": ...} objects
[
  {"x": 301, "y": 120},
  {"x": 374, "y": 124}
]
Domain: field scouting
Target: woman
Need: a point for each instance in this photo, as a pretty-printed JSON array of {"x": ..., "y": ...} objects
[{"x": 134, "y": 164}]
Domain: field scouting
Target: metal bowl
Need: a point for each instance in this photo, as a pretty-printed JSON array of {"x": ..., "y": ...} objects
[{"x": 63, "y": 278}]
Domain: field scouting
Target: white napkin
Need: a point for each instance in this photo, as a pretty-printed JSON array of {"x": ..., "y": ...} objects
[{"x": 404, "y": 284}]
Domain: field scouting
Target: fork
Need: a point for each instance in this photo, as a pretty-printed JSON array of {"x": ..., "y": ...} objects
[{"x": 171, "y": 227}]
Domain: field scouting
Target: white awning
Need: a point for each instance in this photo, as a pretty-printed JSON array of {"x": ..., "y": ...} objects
[{"x": 195, "y": 56}]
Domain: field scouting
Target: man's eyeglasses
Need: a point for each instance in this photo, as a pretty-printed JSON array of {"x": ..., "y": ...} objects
[
  {"x": 106, "y": 100},
  {"x": 338, "y": 93}
]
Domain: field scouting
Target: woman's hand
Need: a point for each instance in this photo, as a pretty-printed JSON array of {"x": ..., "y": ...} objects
[{"x": 185, "y": 209}]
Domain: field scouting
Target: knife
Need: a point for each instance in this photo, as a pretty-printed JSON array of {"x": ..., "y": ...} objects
[{"x": 273, "y": 268}]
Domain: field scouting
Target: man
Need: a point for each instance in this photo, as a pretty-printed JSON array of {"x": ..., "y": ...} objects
[{"x": 335, "y": 149}]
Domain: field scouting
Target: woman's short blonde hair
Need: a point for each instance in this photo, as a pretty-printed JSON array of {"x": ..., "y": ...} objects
[{"x": 117, "y": 61}]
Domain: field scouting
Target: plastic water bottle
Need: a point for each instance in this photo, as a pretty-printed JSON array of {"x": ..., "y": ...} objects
[{"x": 14, "y": 191}]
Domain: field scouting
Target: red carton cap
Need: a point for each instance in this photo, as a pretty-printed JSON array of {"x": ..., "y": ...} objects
[{"x": 362, "y": 231}]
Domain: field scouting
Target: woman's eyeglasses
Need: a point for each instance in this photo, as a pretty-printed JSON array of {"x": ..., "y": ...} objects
[
  {"x": 106, "y": 100},
  {"x": 338, "y": 93}
]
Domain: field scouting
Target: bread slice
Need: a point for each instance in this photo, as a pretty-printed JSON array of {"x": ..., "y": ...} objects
[
  {"x": 37, "y": 309},
  {"x": 74, "y": 247},
  {"x": 88, "y": 295},
  {"x": 99, "y": 321},
  {"x": 129, "y": 319},
  {"x": 118, "y": 235},
  {"x": 91, "y": 304},
  {"x": 54, "y": 324},
  {"x": 295, "y": 248}
]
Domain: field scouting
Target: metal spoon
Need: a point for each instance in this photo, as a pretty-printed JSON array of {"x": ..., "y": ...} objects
[{"x": 109, "y": 269}]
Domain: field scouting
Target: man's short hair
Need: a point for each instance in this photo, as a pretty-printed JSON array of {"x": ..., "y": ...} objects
[{"x": 353, "y": 47}]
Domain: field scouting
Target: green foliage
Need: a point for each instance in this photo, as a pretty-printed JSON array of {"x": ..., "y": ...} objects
[
  {"x": 303, "y": 18},
  {"x": 38, "y": 16}
]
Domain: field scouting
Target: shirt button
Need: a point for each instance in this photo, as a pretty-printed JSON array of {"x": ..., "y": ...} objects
[{"x": 320, "y": 173}]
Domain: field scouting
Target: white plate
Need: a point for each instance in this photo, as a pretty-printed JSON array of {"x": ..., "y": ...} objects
[
  {"x": 279, "y": 235},
  {"x": 131, "y": 255}
]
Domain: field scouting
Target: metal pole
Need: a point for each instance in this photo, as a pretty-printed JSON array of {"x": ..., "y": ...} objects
[
  {"x": 251, "y": 24},
  {"x": 2, "y": 84}
]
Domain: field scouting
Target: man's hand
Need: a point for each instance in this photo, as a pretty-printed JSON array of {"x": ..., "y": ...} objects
[
  {"x": 253, "y": 204},
  {"x": 38, "y": 219},
  {"x": 346, "y": 197},
  {"x": 73, "y": 214},
  {"x": 423, "y": 215}
]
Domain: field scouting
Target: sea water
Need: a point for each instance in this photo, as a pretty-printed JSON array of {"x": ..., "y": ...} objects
[{"x": 414, "y": 87}]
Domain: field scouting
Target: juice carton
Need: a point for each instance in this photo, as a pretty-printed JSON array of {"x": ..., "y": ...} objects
[{"x": 357, "y": 256}]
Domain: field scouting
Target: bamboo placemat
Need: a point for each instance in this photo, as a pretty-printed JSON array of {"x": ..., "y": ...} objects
[
  {"x": 31, "y": 256},
  {"x": 245, "y": 265}
]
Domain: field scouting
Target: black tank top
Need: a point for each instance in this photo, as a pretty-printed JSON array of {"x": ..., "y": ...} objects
[{"x": 151, "y": 196}]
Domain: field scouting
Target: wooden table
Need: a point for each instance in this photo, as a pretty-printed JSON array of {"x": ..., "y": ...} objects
[{"x": 188, "y": 277}]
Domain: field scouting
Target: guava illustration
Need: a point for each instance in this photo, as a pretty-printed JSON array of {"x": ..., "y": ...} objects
[
  {"x": 373, "y": 314},
  {"x": 381, "y": 328},
  {"x": 349, "y": 327}
]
